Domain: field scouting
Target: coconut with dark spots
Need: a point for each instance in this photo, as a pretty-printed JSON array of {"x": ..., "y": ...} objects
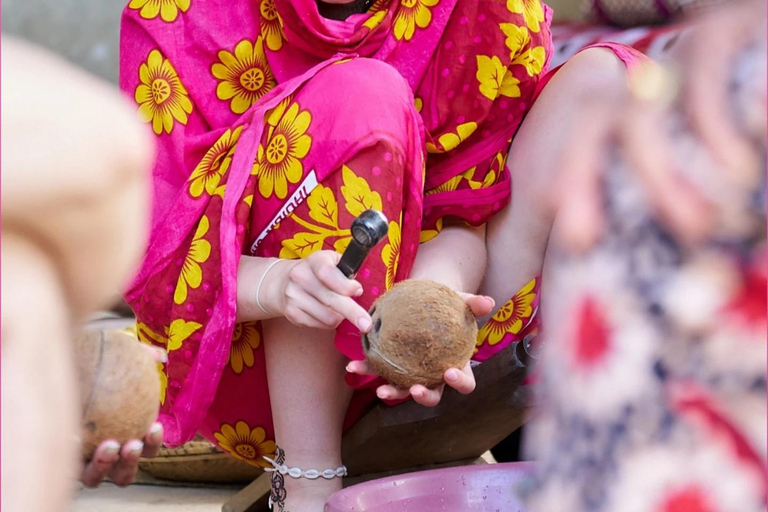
[
  {"x": 420, "y": 329},
  {"x": 119, "y": 388}
]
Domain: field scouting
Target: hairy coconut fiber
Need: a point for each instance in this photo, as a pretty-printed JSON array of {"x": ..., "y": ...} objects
[
  {"x": 420, "y": 329},
  {"x": 119, "y": 388}
]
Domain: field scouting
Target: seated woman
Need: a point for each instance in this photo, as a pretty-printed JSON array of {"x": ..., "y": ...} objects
[{"x": 278, "y": 122}]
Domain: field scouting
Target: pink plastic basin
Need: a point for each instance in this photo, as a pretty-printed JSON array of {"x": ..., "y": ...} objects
[{"x": 490, "y": 488}]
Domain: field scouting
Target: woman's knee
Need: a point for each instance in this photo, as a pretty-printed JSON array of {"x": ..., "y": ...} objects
[
  {"x": 368, "y": 90},
  {"x": 374, "y": 79}
]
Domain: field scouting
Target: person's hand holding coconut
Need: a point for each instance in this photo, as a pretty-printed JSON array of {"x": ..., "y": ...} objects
[
  {"x": 422, "y": 339},
  {"x": 424, "y": 329}
]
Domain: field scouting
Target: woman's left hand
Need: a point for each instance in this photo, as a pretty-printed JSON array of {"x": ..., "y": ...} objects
[{"x": 460, "y": 379}]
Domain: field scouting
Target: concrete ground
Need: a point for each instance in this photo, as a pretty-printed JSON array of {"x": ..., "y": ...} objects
[
  {"x": 141, "y": 498},
  {"x": 137, "y": 498}
]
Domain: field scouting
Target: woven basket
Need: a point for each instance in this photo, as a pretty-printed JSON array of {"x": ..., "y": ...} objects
[{"x": 199, "y": 462}]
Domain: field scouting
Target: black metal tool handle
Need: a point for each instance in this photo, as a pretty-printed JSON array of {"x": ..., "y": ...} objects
[{"x": 367, "y": 230}]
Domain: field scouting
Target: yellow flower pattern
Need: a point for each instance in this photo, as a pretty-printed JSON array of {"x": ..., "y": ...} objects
[
  {"x": 450, "y": 141},
  {"x": 168, "y": 10},
  {"x": 510, "y": 318},
  {"x": 532, "y": 60},
  {"x": 429, "y": 234},
  {"x": 163, "y": 382},
  {"x": 495, "y": 79},
  {"x": 175, "y": 334},
  {"x": 215, "y": 164},
  {"x": 375, "y": 20},
  {"x": 245, "y": 340},
  {"x": 161, "y": 96},
  {"x": 532, "y": 11},
  {"x": 246, "y": 443},
  {"x": 517, "y": 38},
  {"x": 279, "y": 163},
  {"x": 271, "y": 25},
  {"x": 191, "y": 274},
  {"x": 412, "y": 14},
  {"x": 390, "y": 254},
  {"x": 323, "y": 210},
  {"x": 245, "y": 76}
]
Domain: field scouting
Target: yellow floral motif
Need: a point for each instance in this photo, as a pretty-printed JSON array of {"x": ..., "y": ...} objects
[
  {"x": 245, "y": 76},
  {"x": 271, "y": 25},
  {"x": 412, "y": 14},
  {"x": 418, "y": 103},
  {"x": 191, "y": 274},
  {"x": 390, "y": 254},
  {"x": 246, "y": 443},
  {"x": 161, "y": 95},
  {"x": 358, "y": 194},
  {"x": 245, "y": 340},
  {"x": 379, "y": 5},
  {"x": 495, "y": 79},
  {"x": 453, "y": 183},
  {"x": 429, "y": 234},
  {"x": 510, "y": 318},
  {"x": 532, "y": 60},
  {"x": 163, "y": 382},
  {"x": 450, "y": 141},
  {"x": 375, "y": 20},
  {"x": 323, "y": 210},
  {"x": 517, "y": 38},
  {"x": 493, "y": 173},
  {"x": 532, "y": 11},
  {"x": 175, "y": 334},
  {"x": 167, "y": 9},
  {"x": 215, "y": 164},
  {"x": 279, "y": 162}
]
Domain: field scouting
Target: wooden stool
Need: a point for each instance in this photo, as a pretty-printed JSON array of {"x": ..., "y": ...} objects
[{"x": 406, "y": 438}]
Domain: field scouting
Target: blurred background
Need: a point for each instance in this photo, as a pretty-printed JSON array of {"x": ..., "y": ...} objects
[{"x": 84, "y": 31}]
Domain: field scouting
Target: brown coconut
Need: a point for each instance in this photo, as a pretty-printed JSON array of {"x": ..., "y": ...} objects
[
  {"x": 119, "y": 388},
  {"x": 420, "y": 329}
]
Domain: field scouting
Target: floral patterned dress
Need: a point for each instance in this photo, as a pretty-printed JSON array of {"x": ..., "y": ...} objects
[{"x": 276, "y": 128}]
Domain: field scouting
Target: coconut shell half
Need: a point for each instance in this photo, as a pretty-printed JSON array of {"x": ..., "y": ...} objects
[
  {"x": 420, "y": 330},
  {"x": 119, "y": 388}
]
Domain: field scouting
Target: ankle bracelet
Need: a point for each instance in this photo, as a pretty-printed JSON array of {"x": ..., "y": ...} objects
[{"x": 310, "y": 474}]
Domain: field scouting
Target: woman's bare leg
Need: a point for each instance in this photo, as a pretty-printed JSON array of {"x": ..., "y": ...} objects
[
  {"x": 517, "y": 238},
  {"x": 309, "y": 400}
]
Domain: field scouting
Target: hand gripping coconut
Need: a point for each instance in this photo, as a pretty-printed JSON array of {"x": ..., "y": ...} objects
[
  {"x": 420, "y": 330},
  {"x": 119, "y": 388}
]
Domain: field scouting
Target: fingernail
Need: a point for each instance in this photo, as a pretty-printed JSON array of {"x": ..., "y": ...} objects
[
  {"x": 359, "y": 292},
  {"x": 364, "y": 324},
  {"x": 163, "y": 356},
  {"x": 135, "y": 446},
  {"x": 451, "y": 375},
  {"x": 383, "y": 395},
  {"x": 348, "y": 368},
  {"x": 111, "y": 448},
  {"x": 156, "y": 428}
]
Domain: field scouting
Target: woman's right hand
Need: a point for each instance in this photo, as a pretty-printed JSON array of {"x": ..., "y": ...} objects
[{"x": 312, "y": 292}]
